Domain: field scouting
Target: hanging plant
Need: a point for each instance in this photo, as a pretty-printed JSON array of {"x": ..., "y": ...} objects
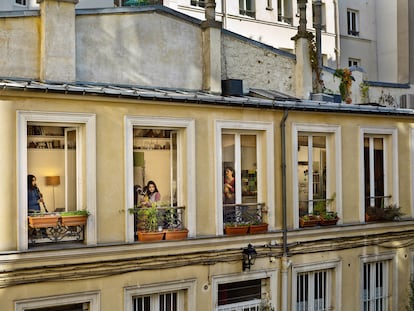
[{"x": 345, "y": 85}]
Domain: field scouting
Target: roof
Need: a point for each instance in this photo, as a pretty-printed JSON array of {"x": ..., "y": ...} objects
[{"x": 256, "y": 98}]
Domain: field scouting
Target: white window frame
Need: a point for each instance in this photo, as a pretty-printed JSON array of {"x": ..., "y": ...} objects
[
  {"x": 354, "y": 62},
  {"x": 248, "y": 276},
  {"x": 336, "y": 162},
  {"x": 392, "y": 273},
  {"x": 89, "y": 121},
  {"x": 93, "y": 298},
  {"x": 352, "y": 16},
  {"x": 188, "y": 285},
  {"x": 180, "y": 124},
  {"x": 244, "y": 8},
  {"x": 390, "y": 139},
  {"x": 412, "y": 172},
  {"x": 268, "y": 142},
  {"x": 334, "y": 265}
]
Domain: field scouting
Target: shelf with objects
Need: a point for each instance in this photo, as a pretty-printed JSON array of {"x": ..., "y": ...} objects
[{"x": 45, "y": 137}]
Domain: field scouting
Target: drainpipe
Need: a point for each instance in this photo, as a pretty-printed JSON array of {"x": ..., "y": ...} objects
[
  {"x": 285, "y": 263},
  {"x": 337, "y": 36}
]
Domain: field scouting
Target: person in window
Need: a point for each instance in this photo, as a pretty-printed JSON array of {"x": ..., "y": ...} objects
[
  {"x": 228, "y": 188},
  {"x": 34, "y": 196},
  {"x": 152, "y": 194}
]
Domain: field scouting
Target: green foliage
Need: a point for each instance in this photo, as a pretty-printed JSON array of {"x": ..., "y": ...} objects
[
  {"x": 364, "y": 89},
  {"x": 75, "y": 213},
  {"x": 346, "y": 82}
]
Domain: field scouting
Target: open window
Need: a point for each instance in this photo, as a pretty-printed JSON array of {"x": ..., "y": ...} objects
[
  {"x": 160, "y": 151},
  {"x": 317, "y": 177},
  {"x": 378, "y": 158},
  {"x": 59, "y": 150},
  {"x": 244, "y": 186}
]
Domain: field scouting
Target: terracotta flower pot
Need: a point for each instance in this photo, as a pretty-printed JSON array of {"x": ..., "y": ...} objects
[
  {"x": 311, "y": 221},
  {"x": 328, "y": 222},
  {"x": 176, "y": 234},
  {"x": 150, "y": 236},
  {"x": 74, "y": 220},
  {"x": 262, "y": 228},
  {"x": 44, "y": 221},
  {"x": 236, "y": 230}
]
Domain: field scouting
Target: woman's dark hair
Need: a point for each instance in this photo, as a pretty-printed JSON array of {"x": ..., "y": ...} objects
[
  {"x": 29, "y": 181},
  {"x": 152, "y": 183},
  {"x": 230, "y": 169}
]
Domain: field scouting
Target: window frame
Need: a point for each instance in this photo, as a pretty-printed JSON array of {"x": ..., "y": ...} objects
[
  {"x": 231, "y": 278},
  {"x": 335, "y": 162},
  {"x": 390, "y": 140},
  {"x": 352, "y": 19},
  {"x": 188, "y": 285},
  {"x": 89, "y": 121},
  {"x": 187, "y": 126},
  {"x": 354, "y": 62},
  {"x": 267, "y": 128},
  {"x": 93, "y": 298},
  {"x": 243, "y": 11},
  {"x": 20, "y": 4},
  {"x": 391, "y": 277},
  {"x": 336, "y": 278}
]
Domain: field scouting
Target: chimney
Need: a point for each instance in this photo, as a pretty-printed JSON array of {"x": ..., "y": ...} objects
[
  {"x": 303, "y": 70},
  {"x": 57, "y": 40},
  {"x": 211, "y": 50}
]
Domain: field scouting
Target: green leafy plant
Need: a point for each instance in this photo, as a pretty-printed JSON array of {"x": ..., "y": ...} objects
[
  {"x": 364, "y": 90},
  {"x": 75, "y": 213},
  {"x": 345, "y": 85},
  {"x": 149, "y": 216},
  {"x": 392, "y": 212}
]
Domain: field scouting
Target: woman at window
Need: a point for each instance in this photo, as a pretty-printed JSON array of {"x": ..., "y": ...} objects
[
  {"x": 34, "y": 196},
  {"x": 152, "y": 194},
  {"x": 228, "y": 189}
]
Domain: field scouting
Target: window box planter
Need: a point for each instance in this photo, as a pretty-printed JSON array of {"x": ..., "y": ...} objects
[
  {"x": 176, "y": 234},
  {"x": 308, "y": 221},
  {"x": 43, "y": 221},
  {"x": 75, "y": 218},
  {"x": 150, "y": 236},
  {"x": 328, "y": 219},
  {"x": 259, "y": 228},
  {"x": 236, "y": 229}
]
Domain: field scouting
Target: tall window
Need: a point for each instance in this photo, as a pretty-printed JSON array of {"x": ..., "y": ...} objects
[
  {"x": 375, "y": 285},
  {"x": 246, "y": 7},
  {"x": 57, "y": 147},
  {"x": 199, "y": 3},
  {"x": 284, "y": 11},
  {"x": 353, "y": 22},
  {"x": 313, "y": 290},
  {"x": 317, "y": 178},
  {"x": 379, "y": 171},
  {"x": 160, "y": 150}
]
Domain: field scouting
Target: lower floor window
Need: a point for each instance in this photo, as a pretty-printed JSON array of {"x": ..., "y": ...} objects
[
  {"x": 313, "y": 291},
  {"x": 375, "y": 286},
  {"x": 170, "y": 301}
]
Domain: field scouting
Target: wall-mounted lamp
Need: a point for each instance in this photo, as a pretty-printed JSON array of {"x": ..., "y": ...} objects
[
  {"x": 53, "y": 181},
  {"x": 249, "y": 257}
]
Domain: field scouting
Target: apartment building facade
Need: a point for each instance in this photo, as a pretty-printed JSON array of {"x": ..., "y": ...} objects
[{"x": 136, "y": 94}]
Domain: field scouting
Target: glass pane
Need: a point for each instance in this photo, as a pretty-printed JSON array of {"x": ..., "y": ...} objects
[
  {"x": 228, "y": 151},
  {"x": 249, "y": 165},
  {"x": 319, "y": 174},
  {"x": 379, "y": 172}
]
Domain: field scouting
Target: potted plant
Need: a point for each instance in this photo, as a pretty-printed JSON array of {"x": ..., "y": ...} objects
[
  {"x": 41, "y": 220},
  {"x": 236, "y": 228},
  {"x": 175, "y": 230},
  {"x": 328, "y": 218},
  {"x": 308, "y": 220},
  {"x": 74, "y": 218},
  {"x": 258, "y": 226},
  {"x": 373, "y": 213},
  {"x": 392, "y": 212},
  {"x": 150, "y": 217}
]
